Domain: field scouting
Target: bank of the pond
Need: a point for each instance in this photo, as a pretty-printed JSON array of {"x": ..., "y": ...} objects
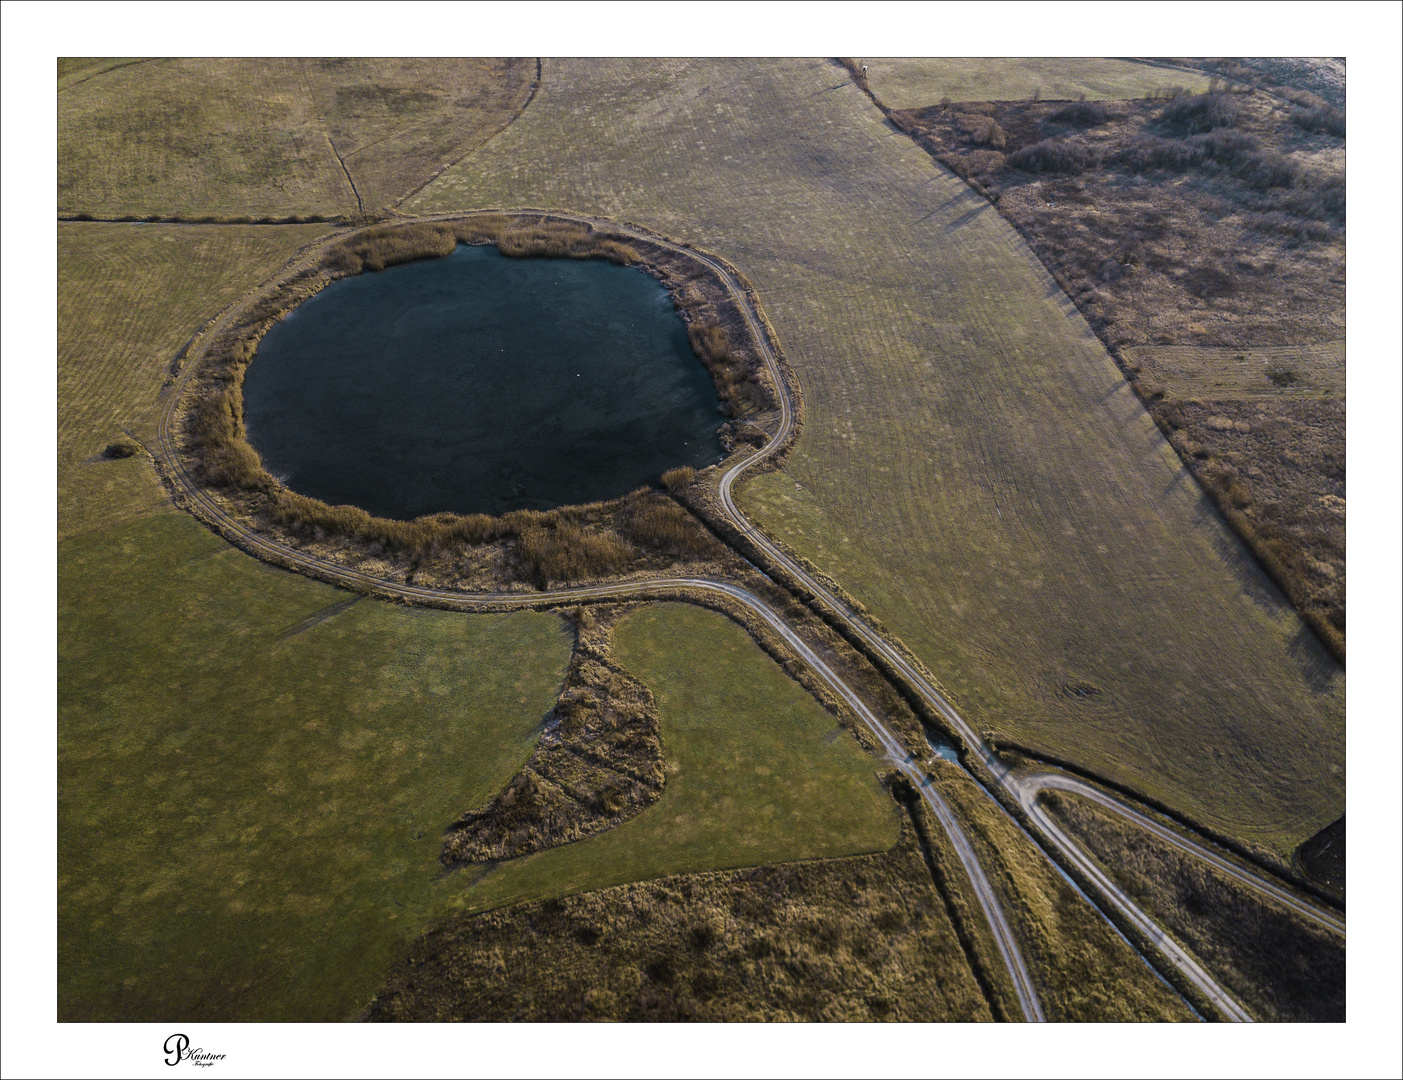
[{"x": 644, "y": 530}]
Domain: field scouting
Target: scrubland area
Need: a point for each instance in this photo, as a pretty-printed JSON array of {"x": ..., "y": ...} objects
[
  {"x": 855, "y": 939},
  {"x": 1199, "y": 234}
]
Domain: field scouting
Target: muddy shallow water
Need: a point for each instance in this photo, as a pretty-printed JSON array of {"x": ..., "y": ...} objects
[{"x": 480, "y": 384}]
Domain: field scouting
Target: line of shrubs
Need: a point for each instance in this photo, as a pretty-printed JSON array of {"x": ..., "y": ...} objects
[
  {"x": 1322, "y": 119},
  {"x": 206, "y": 219},
  {"x": 1238, "y": 152}
]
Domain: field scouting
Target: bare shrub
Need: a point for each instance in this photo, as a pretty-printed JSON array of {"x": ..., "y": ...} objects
[
  {"x": 985, "y": 161},
  {"x": 1266, "y": 169},
  {"x": 678, "y": 478},
  {"x": 1321, "y": 119},
  {"x": 980, "y": 130},
  {"x": 1227, "y": 147},
  {"x": 1151, "y": 152},
  {"x": 653, "y": 522},
  {"x": 1319, "y": 197},
  {"x": 120, "y": 448},
  {"x": 388, "y": 245},
  {"x": 1081, "y": 114},
  {"x": 1209, "y": 283},
  {"x": 1197, "y": 113},
  {"x": 1054, "y": 156}
]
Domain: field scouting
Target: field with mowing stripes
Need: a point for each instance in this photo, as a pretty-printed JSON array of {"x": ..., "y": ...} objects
[
  {"x": 129, "y": 297},
  {"x": 256, "y": 768},
  {"x": 254, "y": 777},
  {"x": 240, "y": 751},
  {"x": 911, "y": 83},
  {"x": 973, "y": 468},
  {"x": 249, "y": 138}
]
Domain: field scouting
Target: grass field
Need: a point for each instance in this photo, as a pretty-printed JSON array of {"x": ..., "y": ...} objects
[
  {"x": 1258, "y": 375},
  {"x": 241, "y": 137},
  {"x": 911, "y": 83},
  {"x": 242, "y": 753},
  {"x": 1280, "y": 966},
  {"x": 757, "y": 771},
  {"x": 251, "y": 799},
  {"x": 129, "y": 297},
  {"x": 973, "y": 467}
]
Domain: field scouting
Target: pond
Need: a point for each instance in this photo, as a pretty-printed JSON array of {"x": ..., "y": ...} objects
[{"x": 477, "y": 383}]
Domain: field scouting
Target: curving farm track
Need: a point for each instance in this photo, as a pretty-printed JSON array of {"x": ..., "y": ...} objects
[{"x": 1023, "y": 791}]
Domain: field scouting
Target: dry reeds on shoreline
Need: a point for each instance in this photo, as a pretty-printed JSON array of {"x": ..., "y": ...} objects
[{"x": 568, "y": 544}]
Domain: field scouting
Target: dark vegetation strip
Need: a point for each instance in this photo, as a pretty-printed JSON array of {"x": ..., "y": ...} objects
[
  {"x": 360, "y": 203},
  {"x": 598, "y": 763},
  {"x": 1014, "y": 751},
  {"x": 206, "y": 219},
  {"x": 563, "y": 545},
  {"x": 1285, "y": 968},
  {"x": 1322, "y": 857},
  {"x": 1195, "y": 130},
  {"x": 104, "y": 71}
]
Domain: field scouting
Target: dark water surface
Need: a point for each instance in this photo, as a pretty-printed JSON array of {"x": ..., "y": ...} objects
[{"x": 480, "y": 384}]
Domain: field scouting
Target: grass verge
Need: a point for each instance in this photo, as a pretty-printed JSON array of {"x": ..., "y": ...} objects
[
  {"x": 912, "y": 83},
  {"x": 1281, "y": 967},
  {"x": 1083, "y": 969}
]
